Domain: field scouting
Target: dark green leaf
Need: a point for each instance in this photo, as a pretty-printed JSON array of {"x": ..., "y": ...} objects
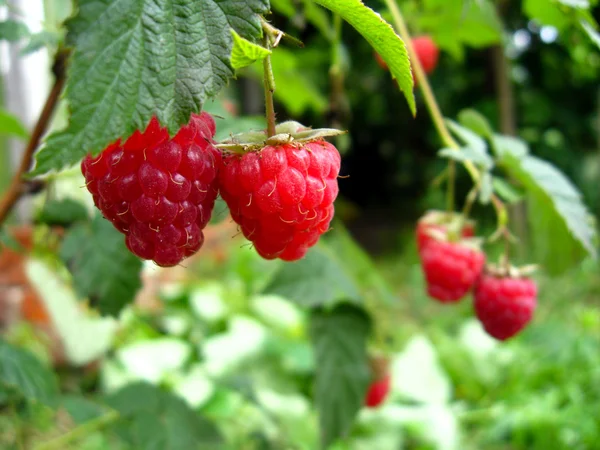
[
  {"x": 138, "y": 58},
  {"x": 339, "y": 338},
  {"x": 13, "y": 30},
  {"x": 382, "y": 38},
  {"x": 562, "y": 228},
  {"x": 62, "y": 212},
  {"x": 24, "y": 374},
  {"x": 358, "y": 264},
  {"x": 11, "y": 125},
  {"x": 317, "y": 279},
  {"x": 103, "y": 268},
  {"x": 81, "y": 409},
  {"x": 157, "y": 420}
]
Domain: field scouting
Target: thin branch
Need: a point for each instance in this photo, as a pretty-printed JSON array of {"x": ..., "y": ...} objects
[{"x": 17, "y": 185}]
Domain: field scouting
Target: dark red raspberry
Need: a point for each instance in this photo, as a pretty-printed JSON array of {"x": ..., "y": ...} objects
[
  {"x": 378, "y": 391},
  {"x": 282, "y": 195},
  {"x": 159, "y": 192},
  {"x": 451, "y": 268},
  {"x": 504, "y": 305},
  {"x": 427, "y": 51},
  {"x": 442, "y": 223}
]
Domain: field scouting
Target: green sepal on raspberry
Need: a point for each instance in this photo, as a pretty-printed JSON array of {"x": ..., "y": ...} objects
[
  {"x": 443, "y": 225},
  {"x": 280, "y": 189},
  {"x": 159, "y": 192}
]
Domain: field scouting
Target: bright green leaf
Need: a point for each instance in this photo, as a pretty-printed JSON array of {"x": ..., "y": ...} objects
[
  {"x": 13, "y": 30},
  {"x": 245, "y": 52},
  {"x": 382, "y": 38},
  {"x": 154, "y": 419},
  {"x": 104, "y": 270},
  {"x": 23, "y": 374},
  {"x": 561, "y": 225},
  {"x": 62, "y": 212},
  {"x": 476, "y": 121},
  {"x": 546, "y": 12},
  {"x": 11, "y": 125},
  {"x": 339, "y": 338},
  {"x": 317, "y": 279},
  {"x": 139, "y": 58}
]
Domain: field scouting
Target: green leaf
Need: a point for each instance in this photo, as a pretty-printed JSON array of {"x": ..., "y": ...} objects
[
  {"x": 245, "y": 52},
  {"x": 317, "y": 279},
  {"x": 139, "y": 58},
  {"x": 154, "y": 419},
  {"x": 24, "y": 374},
  {"x": 382, "y": 38},
  {"x": 467, "y": 136},
  {"x": 11, "y": 125},
  {"x": 358, "y": 264},
  {"x": 476, "y": 121},
  {"x": 8, "y": 241},
  {"x": 339, "y": 338},
  {"x": 561, "y": 226},
  {"x": 468, "y": 154},
  {"x": 546, "y": 12},
  {"x": 507, "y": 191},
  {"x": 103, "y": 268},
  {"x": 13, "y": 30},
  {"x": 62, "y": 212},
  {"x": 486, "y": 188},
  {"x": 40, "y": 40}
]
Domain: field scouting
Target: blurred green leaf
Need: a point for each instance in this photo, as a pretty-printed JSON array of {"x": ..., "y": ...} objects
[
  {"x": 154, "y": 419},
  {"x": 24, "y": 374},
  {"x": 339, "y": 338},
  {"x": 467, "y": 136},
  {"x": 81, "y": 409},
  {"x": 562, "y": 229},
  {"x": 103, "y": 268},
  {"x": 486, "y": 188},
  {"x": 468, "y": 154},
  {"x": 546, "y": 12},
  {"x": 359, "y": 265},
  {"x": 62, "y": 212},
  {"x": 11, "y": 125},
  {"x": 591, "y": 32},
  {"x": 507, "y": 191},
  {"x": 476, "y": 121},
  {"x": 245, "y": 52},
  {"x": 317, "y": 279},
  {"x": 8, "y": 241},
  {"x": 40, "y": 40},
  {"x": 12, "y": 30},
  {"x": 382, "y": 38}
]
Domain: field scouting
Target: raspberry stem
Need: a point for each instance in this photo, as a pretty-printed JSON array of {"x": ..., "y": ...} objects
[
  {"x": 436, "y": 114},
  {"x": 269, "y": 83}
]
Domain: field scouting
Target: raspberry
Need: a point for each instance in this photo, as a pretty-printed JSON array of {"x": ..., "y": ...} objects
[
  {"x": 443, "y": 224},
  {"x": 378, "y": 391},
  {"x": 159, "y": 192},
  {"x": 504, "y": 305},
  {"x": 451, "y": 268},
  {"x": 282, "y": 195},
  {"x": 427, "y": 52}
]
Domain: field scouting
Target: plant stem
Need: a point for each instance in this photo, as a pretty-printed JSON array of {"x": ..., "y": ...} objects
[
  {"x": 79, "y": 432},
  {"x": 269, "y": 83},
  {"x": 450, "y": 186},
  {"x": 435, "y": 112},
  {"x": 15, "y": 190}
]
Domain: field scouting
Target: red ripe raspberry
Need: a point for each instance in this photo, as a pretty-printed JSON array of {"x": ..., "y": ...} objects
[
  {"x": 504, "y": 305},
  {"x": 282, "y": 195},
  {"x": 159, "y": 192},
  {"x": 427, "y": 52},
  {"x": 441, "y": 222},
  {"x": 378, "y": 391},
  {"x": 451, "y": 269}
]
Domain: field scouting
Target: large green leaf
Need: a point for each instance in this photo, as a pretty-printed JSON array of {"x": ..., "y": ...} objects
[
  {"x": 103, "y": 268},
  {"x": 62, "y": 212},
  {"x": 317, "y": 279},
  {"x": 13, "y": 30},
  {"x": 22, "y": 374},
  {"x": 137, "y": 58},
  {"x": 562, "y": 228},
  {"x": 157, "y": 420},
  {"x": 339, "y": 338},
  {"x": 382, "y": 38}
]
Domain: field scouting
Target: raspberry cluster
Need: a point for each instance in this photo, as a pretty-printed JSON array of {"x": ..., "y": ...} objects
[
  {"x": 282, "y": 195},
  {"x": 159, "y": 192},
  {"x": 453, "y": 265}
]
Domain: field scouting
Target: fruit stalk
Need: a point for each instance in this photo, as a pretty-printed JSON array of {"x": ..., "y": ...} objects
[
  {"x": 15, "y": 190},
  {"x": 269, "y": 83}
]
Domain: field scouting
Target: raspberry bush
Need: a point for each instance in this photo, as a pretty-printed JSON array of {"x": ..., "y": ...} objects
[{"x": 243, "y": 312}]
